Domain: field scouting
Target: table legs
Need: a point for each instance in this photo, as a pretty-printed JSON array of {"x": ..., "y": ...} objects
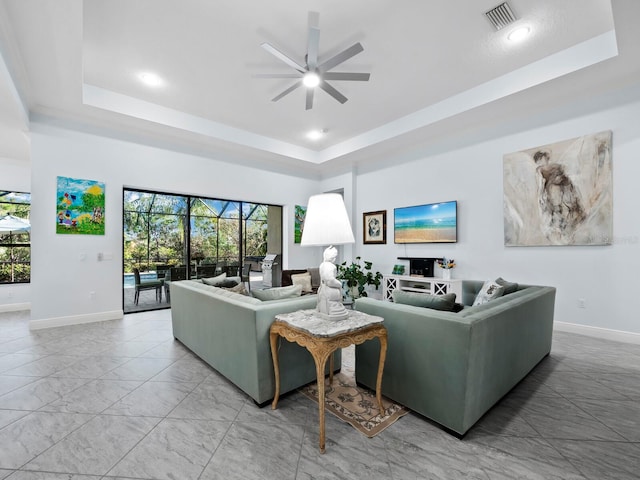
[
  {"x": 321, "y": 351},
  {"x": 383, "y": 356},
  {"x": 320, "y": 359},
  {"x": 273, "y": 337}
]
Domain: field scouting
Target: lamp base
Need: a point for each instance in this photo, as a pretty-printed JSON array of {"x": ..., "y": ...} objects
[
  {"x": 330, "y": 292},
  {"x": 334, "y": 317}
]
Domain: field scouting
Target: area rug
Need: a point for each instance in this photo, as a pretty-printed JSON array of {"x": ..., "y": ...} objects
[{"x": 356, "y": 405}]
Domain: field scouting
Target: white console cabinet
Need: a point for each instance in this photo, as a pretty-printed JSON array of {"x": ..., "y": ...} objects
[{"x": 431, "y": 285}]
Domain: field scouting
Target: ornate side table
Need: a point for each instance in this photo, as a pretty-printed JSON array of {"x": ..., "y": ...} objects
[{"x": 322, "y": 337}]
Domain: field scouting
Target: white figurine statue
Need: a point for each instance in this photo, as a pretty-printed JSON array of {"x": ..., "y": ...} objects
[{"x": 330, "y": 291}]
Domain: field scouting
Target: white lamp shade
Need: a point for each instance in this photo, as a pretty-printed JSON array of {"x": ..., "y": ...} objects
[{"x": 326, "y": 221}]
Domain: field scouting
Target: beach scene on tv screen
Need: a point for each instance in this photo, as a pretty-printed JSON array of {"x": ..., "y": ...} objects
[{"x": 435, "y": 223}]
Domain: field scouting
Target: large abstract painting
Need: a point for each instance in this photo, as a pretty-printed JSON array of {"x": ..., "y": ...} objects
[
  {"x": 80, "y": 207},
  {"x": 559, "y": 194}
]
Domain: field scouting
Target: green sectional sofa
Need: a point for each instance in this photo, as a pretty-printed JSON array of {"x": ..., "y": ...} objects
[
  {"x": 453, "y": 367},
  {"x": 230, "y": 332}
]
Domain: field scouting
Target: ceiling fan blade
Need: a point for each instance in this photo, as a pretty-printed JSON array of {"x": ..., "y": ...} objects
[
  {"x": 287, "y": 91},
  {"x": 360, "y": 77},
  {"x": 277, "y": 75},
  {"x": 309, "y": 104},
  {"x": 333, "y": 92},
  {"x": 278, "y": 54},
  {"x": 314, "y": 40},
  {"x": 341, "y": 57}
]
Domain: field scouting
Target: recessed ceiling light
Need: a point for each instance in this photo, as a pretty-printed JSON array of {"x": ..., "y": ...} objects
[
  {"x": 316, "y": 134},
  {"x": 519, "y": 34},
  {"x": 311, "y": 79},
  {"x": 150, "y": 79}
]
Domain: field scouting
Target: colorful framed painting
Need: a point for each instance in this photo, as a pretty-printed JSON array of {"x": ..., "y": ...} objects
[
  {"x": 80, "y": 207},
  {"x": 374, "y": 227},
  {"x": 298, "y": 225},
  {"x": 560, "y": 194}
]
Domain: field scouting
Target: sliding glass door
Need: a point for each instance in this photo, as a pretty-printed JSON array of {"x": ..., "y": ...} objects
[{"x": 171, "y": 237}]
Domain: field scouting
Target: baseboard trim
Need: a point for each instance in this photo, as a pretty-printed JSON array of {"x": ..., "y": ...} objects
[
  {"x": 598, "y": 332},
  {"x": 15, "y": 307},
  {"x": 75, "y": 320}
]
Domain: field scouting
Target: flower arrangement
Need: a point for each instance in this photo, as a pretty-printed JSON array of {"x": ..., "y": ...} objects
[{"x": 446, "y": 263}]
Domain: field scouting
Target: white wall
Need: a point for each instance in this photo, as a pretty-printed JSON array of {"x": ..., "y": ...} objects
[
  {"x": 345, "y": 183},
  {"x": 604, "y": 276},
  {"x": 61, "y": 280},
  {"x": 15, "y": 176}
]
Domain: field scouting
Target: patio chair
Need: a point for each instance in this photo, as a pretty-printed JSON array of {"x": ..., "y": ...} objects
[
  {"x": 246, "y": 274},
  {"x": 146, "y": 285},
  {"x": 174, "y": 274},
  {"x": 203, "y": 271},
  {"x": 162, "y": 271}
]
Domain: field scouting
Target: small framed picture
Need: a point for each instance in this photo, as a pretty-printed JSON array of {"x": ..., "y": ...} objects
[{"x": 374, "y": 227}]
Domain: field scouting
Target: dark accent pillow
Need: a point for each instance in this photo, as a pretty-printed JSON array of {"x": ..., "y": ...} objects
[
  {"x": 226, "y": 283},
  {"x": 436, "y": 302},
  {"x": 509, "y": 287},
  {"x": 457, "y": 307}
]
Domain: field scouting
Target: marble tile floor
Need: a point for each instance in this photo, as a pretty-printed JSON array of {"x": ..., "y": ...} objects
[{"x": 122, "y": 400}]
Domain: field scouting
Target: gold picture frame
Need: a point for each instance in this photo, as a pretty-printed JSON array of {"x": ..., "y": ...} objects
[{"x": 374, "y": 227}]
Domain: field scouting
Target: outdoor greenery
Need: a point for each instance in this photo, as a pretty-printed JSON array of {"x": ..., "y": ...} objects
[
  {"x": 358, "y": 275},
  {"x": 156, "y": 230},
  {"x": 15, "y": 249}
]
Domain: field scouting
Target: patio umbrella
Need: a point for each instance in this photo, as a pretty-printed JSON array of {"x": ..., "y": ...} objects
[{"x": 10, "y": 225}]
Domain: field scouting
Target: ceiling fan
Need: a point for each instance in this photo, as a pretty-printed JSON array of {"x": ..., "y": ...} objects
[{"x": 313, "y": 74}]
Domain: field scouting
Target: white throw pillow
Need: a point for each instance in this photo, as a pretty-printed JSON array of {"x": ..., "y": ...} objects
[
  {"x": 302, "y": 279},
  {"x": 489, "y": 291}
]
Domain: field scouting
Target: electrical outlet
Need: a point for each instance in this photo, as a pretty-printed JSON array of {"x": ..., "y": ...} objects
[
  {"x": 582, "y": 303},
  {"x": 92, "y": 294}
]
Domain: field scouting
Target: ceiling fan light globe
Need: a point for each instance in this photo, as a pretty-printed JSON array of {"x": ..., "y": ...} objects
[
  {"x": 150, "y": 79},
  {"x": 519, "y": 34},
  {"x": 311, "y": 79}
]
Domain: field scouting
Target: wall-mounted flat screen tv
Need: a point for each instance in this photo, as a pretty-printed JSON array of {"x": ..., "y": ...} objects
[{"x": 431, "y": 223}]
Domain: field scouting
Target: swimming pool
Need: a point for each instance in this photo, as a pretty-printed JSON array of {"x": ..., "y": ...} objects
[{"x": 130, "y": 281}]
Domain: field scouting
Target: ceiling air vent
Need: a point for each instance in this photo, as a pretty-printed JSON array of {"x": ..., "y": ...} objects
[{"x": 501, "y": 16}]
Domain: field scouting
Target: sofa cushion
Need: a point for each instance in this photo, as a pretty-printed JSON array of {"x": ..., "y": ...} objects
[
  {"x": 223, "y": 292},
  {"x": 302, "y": 279},
  {"x": 278, "y": 293},
  {"x": 214, "y": 280},
  {"x": 488, "y": 292},
  {"x": 509, "y": 287},
  {"x": 437, "y": 302}
]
